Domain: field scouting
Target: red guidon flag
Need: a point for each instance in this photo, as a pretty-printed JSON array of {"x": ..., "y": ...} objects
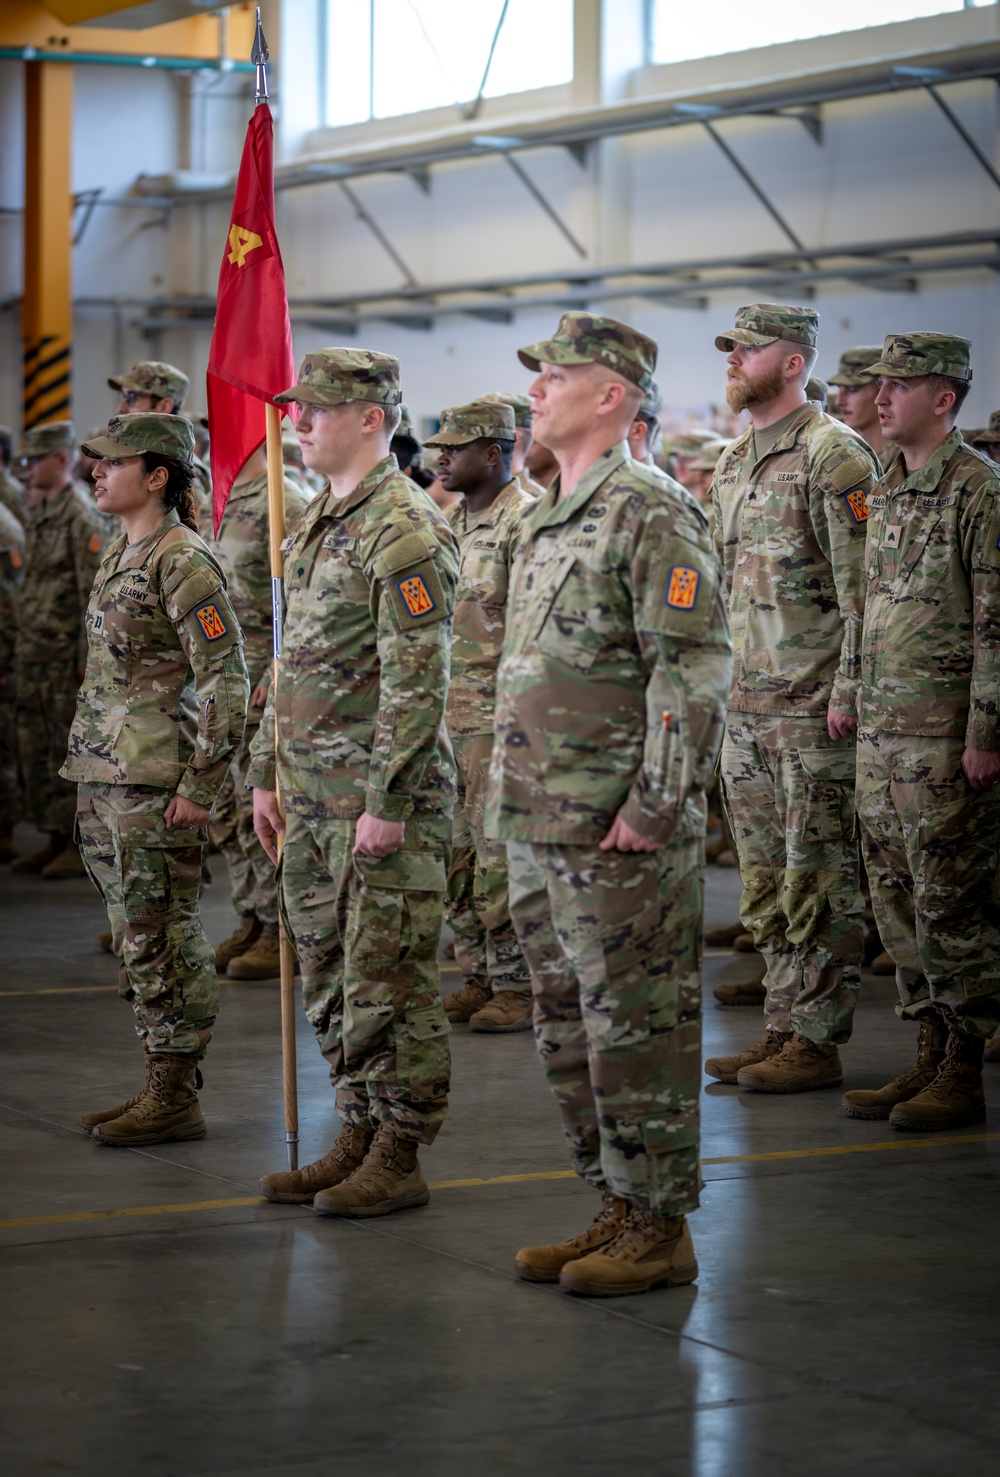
[{"x": 251, "y": 359}]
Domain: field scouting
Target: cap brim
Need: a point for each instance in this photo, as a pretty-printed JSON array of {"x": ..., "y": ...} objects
[
  {"x": 121, "y": 382},
  {"x": 850, "y": 381},
  {"x": 552, "y": 351},
  {"x": 307, "y": 395},
  {"x": 104, "y": 446},
  {"x": 725, "y": 341},
  {"x": 457, "y": 438}
]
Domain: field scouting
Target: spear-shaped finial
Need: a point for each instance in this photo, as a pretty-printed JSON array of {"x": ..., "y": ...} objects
[{"x": 259, "y": 57}]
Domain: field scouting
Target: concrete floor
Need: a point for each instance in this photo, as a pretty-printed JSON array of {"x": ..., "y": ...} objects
[{"x": 159, "y": 1319}]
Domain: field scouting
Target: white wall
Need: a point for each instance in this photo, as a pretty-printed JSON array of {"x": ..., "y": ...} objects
[{"x": 889, "y": 167}]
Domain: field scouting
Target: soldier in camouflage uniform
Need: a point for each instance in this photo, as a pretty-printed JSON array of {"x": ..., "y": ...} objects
[
  {"x": 65, "y": 539},
  {"x": 929, "y": 740},
  {"x": 857, "y": 387},
  {"x": 11, "y": 577},
  {"x": 644, "y": 432},
  {"x": 988, "y": 439},
  {"x": 251, "y": 952},
  {"x": 610, "y": 703},
  {"x": 790, "y": 507},
  {"x": 524, "y": 439},
  {"x": 476, "y": 442},
  {"x": 154, "y": 387},
  {"x": 367, "y": 784},
  {"x": 11, "y": 491},
  {"x": 159, "y": 717}
]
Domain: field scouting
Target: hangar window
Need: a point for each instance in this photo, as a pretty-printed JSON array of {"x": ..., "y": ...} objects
[
  {"x": 387, "y": 57},
  {"x": 682, "y": 32}
]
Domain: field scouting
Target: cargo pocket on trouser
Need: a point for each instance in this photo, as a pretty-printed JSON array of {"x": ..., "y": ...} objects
[
  {"x": 423, "y": 1058},
  {"x": 821, "y": 897}
]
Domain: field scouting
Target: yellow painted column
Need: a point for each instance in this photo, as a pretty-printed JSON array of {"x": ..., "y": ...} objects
[{"x": 47, "y": 314}]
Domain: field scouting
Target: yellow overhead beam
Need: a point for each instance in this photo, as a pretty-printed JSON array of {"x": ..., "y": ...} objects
[{"x": 29, "y": 23}]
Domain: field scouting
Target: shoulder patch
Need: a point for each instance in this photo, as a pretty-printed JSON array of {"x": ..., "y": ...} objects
[
  {"x": 94, "y": 543},
  {"x": 14, "y": 555},
  {"x": 857, "y": 504},
  {"x": 211, "y": 622},
  {"x": 416, "y": 596},
  {"x": 852, "y": 470},
  {"x": 682, "y": 587}
]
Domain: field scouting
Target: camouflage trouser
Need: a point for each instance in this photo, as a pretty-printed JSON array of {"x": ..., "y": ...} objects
[
  {"x": 366, "y": 933},
  {"x": 46, "y": 705},
  {"x": 614, "y": 944},
  {"x": 253, "y": 885},
  {"x": 790, "y": 791},
  {"x": 149, "y": 876},
  {"x": 932, "y": 847},
  {"x": 478, "y": 908}
]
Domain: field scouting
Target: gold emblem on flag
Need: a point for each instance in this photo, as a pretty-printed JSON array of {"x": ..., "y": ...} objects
[{"x": 242, "y": 242}]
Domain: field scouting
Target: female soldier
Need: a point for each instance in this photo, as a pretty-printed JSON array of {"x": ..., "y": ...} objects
[{"x": 158, "y": 719}]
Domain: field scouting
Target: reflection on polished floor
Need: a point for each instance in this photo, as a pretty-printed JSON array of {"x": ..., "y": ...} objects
[{"x": 160, "y": 1319}]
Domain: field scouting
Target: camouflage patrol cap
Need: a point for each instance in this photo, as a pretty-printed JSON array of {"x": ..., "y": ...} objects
[
  {"x": 519, "y": 404},
  {"x": 151, "y": 377},
  {"x": 855, "y": 366},
  {"x": 765, "y": 323},
  {"x": 406, "y": 426},
  {"x": 819, "y": 390},
  {"x": 461, "y": 424},
  {"x": 988, "y": 437},
  {"x": 690, "y": 441},
  {"x": 652, "y": 403},
  {"x": 908, "y": 356},
  {"x": 582, "y": 338},
  {"x": 337, "y": 376},
  {"x": 49, "y": 436},
  {"x": 131, "y": 435},
  {"x": 708, "y": 457}
]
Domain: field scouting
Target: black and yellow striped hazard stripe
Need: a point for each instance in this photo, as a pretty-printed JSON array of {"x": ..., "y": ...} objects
[{"x": 46, "y": 380}]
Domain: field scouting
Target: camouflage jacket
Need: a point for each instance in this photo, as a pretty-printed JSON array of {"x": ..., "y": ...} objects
[
  {"x": 488, "y": 544},
  {"x": 164, "y": 699},
  {"x": 527, "y": 483},
  {"x": 11, "y": 576},
  {"x": 243, "y": 550},
  {"x": 12, "y": 496},
  {"x": 359, "y": 706},
  {"x": 930, "y": 659},
  {"x": 790, "y": 530},
  {"x": 65, "y": 540},
  {"x": 612, "y": 685}
]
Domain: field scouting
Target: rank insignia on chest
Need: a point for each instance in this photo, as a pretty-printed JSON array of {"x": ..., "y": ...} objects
[
  {"x": 893, "y": 534},
  {"x": 416, "y": 596},
  {"x": 94, "y": 543},
  {"x": 211, "y": 622},
  {"x": 682, "y": 587},
  {"x": 857, "y": 504}
]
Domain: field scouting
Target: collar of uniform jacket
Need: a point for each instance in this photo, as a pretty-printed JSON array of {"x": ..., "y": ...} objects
[
  {"x": 786, "y": 441},
  {"x": 552, "y": 509},
  {"x": 491, "y": 515},
  {"x": 335, "y": 507},
  {"x": 927, "y": 477},
  {"x": 58, "y": 508},
  {"x": 139, "y": 553}
]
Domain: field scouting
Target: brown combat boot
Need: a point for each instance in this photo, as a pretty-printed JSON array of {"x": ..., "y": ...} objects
[
  {"x": 389, "y": 1179},
  {"x": 932, "y": 1039},
  {"x": 799, "y": 1066},
  {"x": 955, "y": 1097},
  {"x": 8, "y": 846},
  {"x": 463, "y": 1004},
  {"x": 508, "y": 1010},
  {"x": 649, "y": 1251},
  {"x": 991, "y": 1051},
  {"x": 725, "y": 1068},
  {"x": 69, "y": 863},
  {"x": 243, "y": 937},
  {"x": 106, "y": 941},
  {"x": 167, "y": 1109},
  {"x": 91, "y": 1121},
  {"x": 735, "y": 997},
  {"x": 36, "y": 860},
  {"x": 262, "y": 961},
  {"x": 299, "y": 1186},
  {"x": 544, "y": 1263},
  {"x": 724, "y": 938},
  {"x": 883, "y": 963}
]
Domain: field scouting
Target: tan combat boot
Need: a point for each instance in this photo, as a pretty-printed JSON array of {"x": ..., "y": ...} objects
[
  {"x": 508, "y": 1010},
  {"x": 106, "y": 941},
  {"x": 299, "y": 1186},
  {"x": 799, "y": 1066},
  {"x": 36, "y": 860},
  {"x": 725, "y": 1068},
  {"x": 463, "y": 1004},
  {"x": 883, "y": 963},
  {"x": 955, "y": 1097},
  {"x": 8, "y": 846},
  {"x": 724, "y": 938},
  {"x": 69, "y": 863},
  {"x": 649, "y": 1251},
  {"x": 243, "y": 937},
  {"x": 91, "y": 1121},
  {"x": 167, "y": 1109},
  {"x": 991, "y": 1051},
  {"x": 931, "y": 1041},
  {"x": 262, "y": 961},
  {"x": 389, "y": 1179},
  {"x": 544, "y": 1263},
  {"x": 735, "y": 997}
]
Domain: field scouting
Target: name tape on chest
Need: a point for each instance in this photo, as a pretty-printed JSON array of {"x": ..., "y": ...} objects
[
  {"x": 682, "y": 588},
  {"x": 416, "y": 596},
  {"x": 211, "y": 622}
]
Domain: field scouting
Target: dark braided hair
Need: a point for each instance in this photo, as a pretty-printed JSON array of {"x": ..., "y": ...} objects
[{"x": 178, "y": 493}]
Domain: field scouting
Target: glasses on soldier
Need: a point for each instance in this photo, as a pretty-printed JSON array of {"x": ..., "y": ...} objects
[{"x": 129, "y": 397}]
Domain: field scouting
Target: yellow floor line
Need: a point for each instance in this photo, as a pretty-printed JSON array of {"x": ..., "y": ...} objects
[
  {"x": 183, "y": 1208},
  {"x": 61, "y": 990}
]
